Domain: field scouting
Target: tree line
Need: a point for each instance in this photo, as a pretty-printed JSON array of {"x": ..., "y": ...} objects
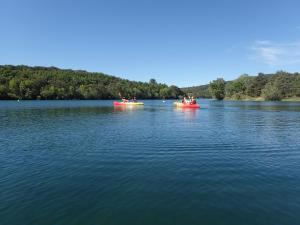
[
  {"x": 273, "y": 87},
  {"x": 24, "y": 82}
]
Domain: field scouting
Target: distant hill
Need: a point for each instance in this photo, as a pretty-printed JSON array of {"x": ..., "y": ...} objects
[
  {"x": 201, "y": 91},
  {"x": 25, "y": 82}
]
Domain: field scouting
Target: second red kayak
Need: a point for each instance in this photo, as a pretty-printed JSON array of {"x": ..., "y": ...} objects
[{"x": 187, "y": 105}]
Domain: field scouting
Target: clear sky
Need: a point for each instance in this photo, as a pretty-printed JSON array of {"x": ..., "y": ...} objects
[{"x": 176, "y": 42}]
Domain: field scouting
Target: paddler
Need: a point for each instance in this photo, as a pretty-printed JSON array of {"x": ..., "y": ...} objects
[
  {"x": 124, "y": 100},
  {"x": 193, "y": 101}
]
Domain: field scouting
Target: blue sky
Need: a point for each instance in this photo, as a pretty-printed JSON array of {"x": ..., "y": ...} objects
[{"x": 176, "y": 42}]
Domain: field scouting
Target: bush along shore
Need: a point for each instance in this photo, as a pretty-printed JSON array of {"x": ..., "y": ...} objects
[
  {"x": 24, "y": 82},
  {"x": 263, "y": 87}
]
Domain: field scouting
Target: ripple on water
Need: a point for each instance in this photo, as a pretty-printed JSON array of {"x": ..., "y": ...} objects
[{"x": 85, "y": 162}]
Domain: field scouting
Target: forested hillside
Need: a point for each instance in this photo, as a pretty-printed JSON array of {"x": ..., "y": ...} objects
[
  {"x": 281, "y": 85},
  {"x": 198, "y": 91},
  {"x": 24, "y": 82}
]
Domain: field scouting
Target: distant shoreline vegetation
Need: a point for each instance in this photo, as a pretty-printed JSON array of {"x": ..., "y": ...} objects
[
  {"x": 49, "y": 83},
  {"x": 263, "y": 87}
]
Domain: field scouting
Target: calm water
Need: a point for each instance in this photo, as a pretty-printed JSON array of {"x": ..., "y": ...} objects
[{"x": 87, "y": 163}]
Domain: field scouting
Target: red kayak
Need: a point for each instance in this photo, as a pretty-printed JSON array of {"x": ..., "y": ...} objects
[{"x": 187, "y": 105}]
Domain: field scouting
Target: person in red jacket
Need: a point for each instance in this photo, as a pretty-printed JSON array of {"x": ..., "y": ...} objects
[{"x": 193, "y": 101}]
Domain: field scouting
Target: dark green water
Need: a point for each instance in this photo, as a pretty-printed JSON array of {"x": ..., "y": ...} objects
[{"x": 84, "y": 162}]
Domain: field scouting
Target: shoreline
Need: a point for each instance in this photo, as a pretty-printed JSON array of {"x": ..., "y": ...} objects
[
  {"x": 258, "y": 99},
  {"x": 261, "y": 99}
]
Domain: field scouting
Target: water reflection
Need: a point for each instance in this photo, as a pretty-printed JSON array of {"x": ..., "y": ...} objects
[
  {"x": 188, "y": 113},
  {"x": 265, "y": 106},
  {"x": 123, "y": 108},
  {"x": 26, "y": 113}
]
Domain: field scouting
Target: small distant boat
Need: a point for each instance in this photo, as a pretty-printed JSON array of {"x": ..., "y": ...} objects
[
  {"x": 186, "y": 105},
  {"x": 128, "y": 103}
]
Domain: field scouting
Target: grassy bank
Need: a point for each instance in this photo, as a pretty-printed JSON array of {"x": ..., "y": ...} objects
[
  {"x": 248, "y": 98},
  {"x": 292, "y": 99}
]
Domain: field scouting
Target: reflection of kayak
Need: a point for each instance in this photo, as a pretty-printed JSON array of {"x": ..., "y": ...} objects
[
  {"x": 186, "y": 105},
  {"x": 128, "y": 103}
]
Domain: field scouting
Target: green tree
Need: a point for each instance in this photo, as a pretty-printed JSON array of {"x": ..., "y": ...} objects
[
  {"x": 217, "y": 88},
  {"x": 238, "y": 88},
  {"x": 256, "y": 85},
  {"x": 165, "y": 91},
  {"x": 3, "y": 92},
  {"x": 48, "y": 92},
  {"x": 174, "y": 92},
  {"x": 152, "y": 81},
  {"x": 271, "y": 92},
  {"x": 14, "y": 90},
  {"x": 284, "y": 82},
  {"x": 296, "y": 86}
]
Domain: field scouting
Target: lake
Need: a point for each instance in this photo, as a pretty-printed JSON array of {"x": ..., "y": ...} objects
[{"x": 86, "y": 162}]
